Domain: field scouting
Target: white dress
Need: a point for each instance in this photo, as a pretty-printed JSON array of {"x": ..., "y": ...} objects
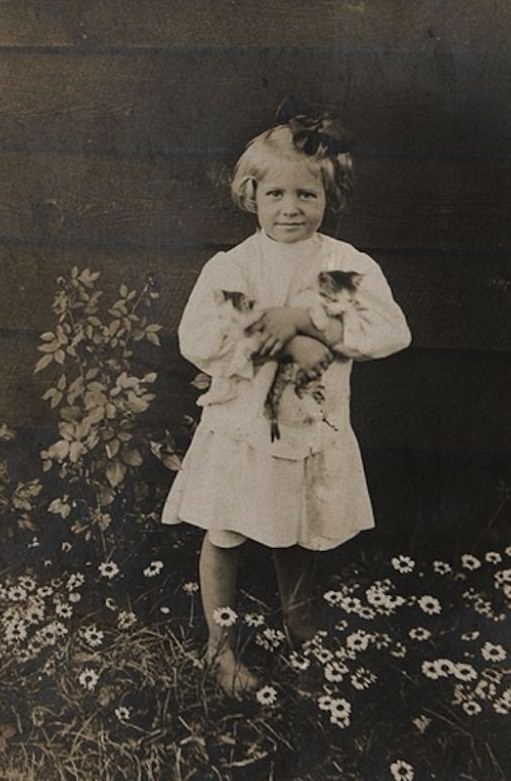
[{"x": 308, "y": 487}]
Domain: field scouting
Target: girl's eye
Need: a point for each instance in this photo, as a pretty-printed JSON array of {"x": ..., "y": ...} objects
[
  {"x": 307, "y": 196},
  {"x": 274, "y": 193}
]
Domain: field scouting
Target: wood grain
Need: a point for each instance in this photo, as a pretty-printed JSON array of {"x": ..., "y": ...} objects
[
  {"x": 421, "y": 102},
  {"x": 245, "y": 23},
  {"x": 401, "y": 204},
  {"x": 451, "y": 301}
]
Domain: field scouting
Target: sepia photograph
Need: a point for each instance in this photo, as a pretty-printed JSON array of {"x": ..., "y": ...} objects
[{"x": 255, "y": 427}]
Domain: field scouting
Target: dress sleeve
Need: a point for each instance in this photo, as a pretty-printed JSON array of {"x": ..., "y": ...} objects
[
  {"x": 375, "y": 325},
  {"x": 206, "y": 337}
]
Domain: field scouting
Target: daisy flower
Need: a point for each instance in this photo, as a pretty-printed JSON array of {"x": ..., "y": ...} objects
[
  {"x": 88, "y": 678},
  {"x": 335, "y": 671},
  {"x": 333, "y": 597},
  {"x": 429, "y": 604},
  {"x": 421, "y": 723},
  {"x": 340, "y": 709},
  {"x": 342, "y": 625},
  {"x": 337, "y": 721},
  {"x": 323, "y": 655},
  {"x": 358, "y": 641},
  {"x": 350, "y": 604},
  {"x": 493, "y": 652},
  {"x": 464, "y": 672},
  {"x": 366, "y": 612},
  {"x": 27, "y": 582},
  {"x": 253, "y": 619},
  {"x": 503, "y": 576},
  {"x": 492, "y": 557},
  {"x": 16, "y": 593},
  {"x": 93, "y": 636},
  {"x": 110, "y": 603},
  {"x": 190, "y": 587},
  {"x": 75, "y": 580},
  {"x": 501, "y": 707},
  {"x": 267, "y": 695},
  {"x": 63, "y": 610},
  {"x": 362, "y": 679},
  {"x": 34, "y": 613},
  {"x": 225, "y": 616},
  {"x": 442, "y": 567},
  {"x": 402, "y": 771},
  {"x": 325, "y": 702},
  {"x": 403, "y": 564},
  {"x": 471, "y": 707},
  {"x": 298, "y": 662},
  {"x": 122, "y": 713},
  {"x": 431, "y": 669},
  {"x": 108, "y": 569},
  {"x": 398, "y": 650},
  {"x": 485, "y": 690},
  {"x": 468, "y": 561},
  {"x": 154, "y": 568},
  {"x": 15, "y": 631},
  {"x": 470, "y": 635},
  {"x": 419, "y": 633},
  {"x": 125, "y": 619}
]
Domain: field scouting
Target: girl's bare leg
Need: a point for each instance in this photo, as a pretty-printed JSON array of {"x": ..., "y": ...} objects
[
  {"x": 295, "y": 568},
  {"x": 218, "y": 569}
]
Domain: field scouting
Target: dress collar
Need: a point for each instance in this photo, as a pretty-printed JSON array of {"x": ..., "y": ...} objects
[{"x": 296, "y": 250}]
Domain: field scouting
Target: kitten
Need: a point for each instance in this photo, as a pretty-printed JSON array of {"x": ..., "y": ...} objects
[{"x": 336, "y": 292}]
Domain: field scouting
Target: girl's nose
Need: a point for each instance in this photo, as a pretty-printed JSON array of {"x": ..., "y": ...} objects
[{"x": 290, "y": 205}]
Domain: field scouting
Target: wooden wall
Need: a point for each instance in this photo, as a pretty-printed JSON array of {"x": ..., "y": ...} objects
[{"x": 118, "y": 118}]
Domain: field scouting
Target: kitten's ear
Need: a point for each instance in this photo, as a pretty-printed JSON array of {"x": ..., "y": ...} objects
[
  {"x": 356, "y": 278},
  {"x": 219, "y": 296}
]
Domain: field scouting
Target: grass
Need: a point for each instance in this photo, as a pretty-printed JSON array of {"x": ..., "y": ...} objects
[{"x": 102, "y": 676}]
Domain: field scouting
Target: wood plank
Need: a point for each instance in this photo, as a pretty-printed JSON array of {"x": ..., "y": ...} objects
[
  {"x": 424, "y": 205},
  {"x": 452, "y": 302},
  {"x": 399, "y": 103},
  {"x": 417, "y": 400},
  {"x": 244, "y": 23}
]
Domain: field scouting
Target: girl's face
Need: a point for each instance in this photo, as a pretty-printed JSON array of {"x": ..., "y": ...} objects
[{"x": 290, "y": 202}]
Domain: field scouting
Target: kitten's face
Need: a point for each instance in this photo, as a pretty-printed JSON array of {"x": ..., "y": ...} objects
[
  {"x": 239, "y": 301},
  {"x": 337, "y": 290}
]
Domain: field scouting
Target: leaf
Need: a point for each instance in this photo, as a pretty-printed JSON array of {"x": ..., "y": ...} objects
[
  {"x": 50, "y": 347},
  {"x": 49, "y": 393},
  {"x": 123, "y": 291},
  {"x": 201, "y": 381},
  {"x": 61, "y": 384},
  {"x": 132, "y": 457},
  {"x": 57, "y": 398},
  {"x": 153, "y": 328},
  {"x": 115, "y": 473},
  {"x": 59, "y": 356},
  {"x": 75, "y": 451},
  {"x": 112, "y": 448},
  {"x": 153, "y": 338},
  {"x": 172, "y": 462},
  {"x": 48, "y": 336},
  {"x": 42, "y": 363},
  {"x": 151, "y": 377}
]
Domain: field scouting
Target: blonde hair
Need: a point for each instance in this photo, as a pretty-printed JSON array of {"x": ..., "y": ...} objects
[{"x": 275, "y": 145}]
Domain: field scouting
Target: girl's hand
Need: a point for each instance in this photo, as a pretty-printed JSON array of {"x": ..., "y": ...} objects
[
  {"x": 312, "y": 356},
  {"x": 276, "y": 327}
]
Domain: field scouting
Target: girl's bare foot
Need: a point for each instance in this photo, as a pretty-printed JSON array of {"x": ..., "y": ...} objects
[{"x": 231, "y": 674}]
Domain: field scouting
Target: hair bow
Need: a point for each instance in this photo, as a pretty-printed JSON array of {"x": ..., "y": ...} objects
[{"x": 311, "y": 128}]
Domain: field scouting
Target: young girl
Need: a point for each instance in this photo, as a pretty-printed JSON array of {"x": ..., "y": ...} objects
[{"x": 304, "y": 491}]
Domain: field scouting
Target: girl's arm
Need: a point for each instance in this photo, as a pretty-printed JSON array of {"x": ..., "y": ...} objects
[
  {"x": 373, "y": 326},
  {"x": 207, "y": 337}
]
